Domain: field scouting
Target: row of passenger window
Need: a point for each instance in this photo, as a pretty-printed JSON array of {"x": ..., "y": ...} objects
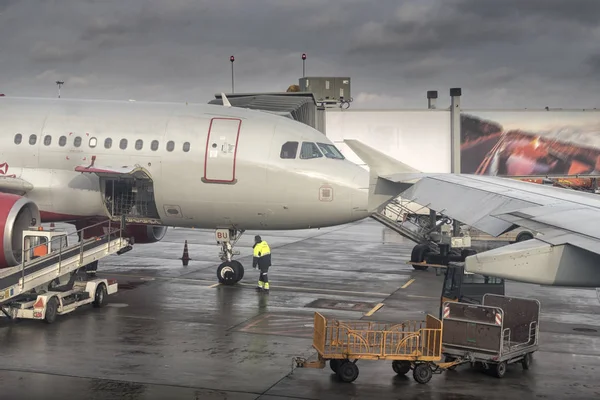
[
  {"x": 310, "y": 150},
  {"x": 93, "y": 142}
]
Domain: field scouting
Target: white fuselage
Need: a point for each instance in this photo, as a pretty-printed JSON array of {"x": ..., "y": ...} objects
[{"x": 257, "y": 188}]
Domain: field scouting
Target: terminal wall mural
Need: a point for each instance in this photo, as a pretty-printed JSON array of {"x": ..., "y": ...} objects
[{"x": 530, "y": 143}]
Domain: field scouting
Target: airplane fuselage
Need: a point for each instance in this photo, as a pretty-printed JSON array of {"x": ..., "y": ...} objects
[{"x": 207, "y": 166}]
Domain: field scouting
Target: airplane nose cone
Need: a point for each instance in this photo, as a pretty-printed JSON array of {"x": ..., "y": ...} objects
[{"x": 360, "y": 195}]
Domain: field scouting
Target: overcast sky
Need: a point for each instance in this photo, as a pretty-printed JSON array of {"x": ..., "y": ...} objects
[{"x": 503, "y": 54}]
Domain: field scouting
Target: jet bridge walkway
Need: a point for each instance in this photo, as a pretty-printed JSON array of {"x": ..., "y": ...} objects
[{"x": 44, "y": 284}]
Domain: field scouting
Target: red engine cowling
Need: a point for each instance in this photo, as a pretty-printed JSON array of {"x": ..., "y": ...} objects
[{"x": 16, "y": 215}]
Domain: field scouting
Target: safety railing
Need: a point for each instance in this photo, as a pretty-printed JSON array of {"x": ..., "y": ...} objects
[{"x": 65, "y": 251}]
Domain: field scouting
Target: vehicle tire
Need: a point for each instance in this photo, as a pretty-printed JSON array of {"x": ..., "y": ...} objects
[
  {"x": 239, "y": 269},
  {"x": 100, "y": 296},
  {"x": 422, "y": 373},
  {"x": 51, "y": 310},
  {"x": 521, "y": 237},
  {"x": 500, "y": 369},
  {"x": 526, "y": 361},
  {"x": 347, "y": 371},
  {"x": 228, "y": 273},
  {"x": 335, "y": 365},
  {"x": 401, "y": 367},
  {"x": 418, "y": 254}
]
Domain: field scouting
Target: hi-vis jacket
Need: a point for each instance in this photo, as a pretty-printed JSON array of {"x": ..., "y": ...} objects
[{"x": 262, "y": 255}]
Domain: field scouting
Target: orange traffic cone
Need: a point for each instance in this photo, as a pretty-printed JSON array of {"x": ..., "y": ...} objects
[{"x": 185, "y": 259}]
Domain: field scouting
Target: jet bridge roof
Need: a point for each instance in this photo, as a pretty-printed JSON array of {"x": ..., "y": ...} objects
[{"x": 300, "y": 106}]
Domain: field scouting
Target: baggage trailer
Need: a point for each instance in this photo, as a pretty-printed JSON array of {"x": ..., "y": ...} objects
[
  {"x": 502, "y": 330},
  {"x": 47, "y": 282},
  {"x": 415, "y": 345}
]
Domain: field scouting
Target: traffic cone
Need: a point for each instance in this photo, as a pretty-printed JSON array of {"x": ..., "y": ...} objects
[{"x": 185, "y": 259}]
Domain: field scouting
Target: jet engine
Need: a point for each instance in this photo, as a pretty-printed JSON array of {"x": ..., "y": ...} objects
[
  {"x": 16, "y": 215},
  {"x": 146, "y": 233}
]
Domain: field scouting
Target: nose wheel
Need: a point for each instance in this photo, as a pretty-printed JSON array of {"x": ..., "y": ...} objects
[{"x": 229, "y": 271}]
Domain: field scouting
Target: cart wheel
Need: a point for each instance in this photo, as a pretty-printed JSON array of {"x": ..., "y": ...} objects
[
  {"x": 347, "y": 371},
  {"x": 450, "y": 359},
  {"x": 334, "y": 365},
  {"x": 500, "y": 369},
  {"x": 100, "y": 296},
  {"x": 526, "y": 362},
  {"x": 401, "y": 367},
  {"x": 422, "y": 373},
  {"x": 51, "y": 310}
]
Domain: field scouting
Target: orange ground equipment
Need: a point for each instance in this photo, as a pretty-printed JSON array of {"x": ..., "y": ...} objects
[{"x": 415, "y": 345}]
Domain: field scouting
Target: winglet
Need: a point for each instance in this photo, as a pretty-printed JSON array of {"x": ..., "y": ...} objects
[
  {"x": 226, "y": 102},
  {"x": 382, "y": 187}
]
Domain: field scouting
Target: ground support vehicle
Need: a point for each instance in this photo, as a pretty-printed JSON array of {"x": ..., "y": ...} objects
[
  {"x": 408, "y": 345},
  {"x": 502, "y": 330},
  {"x": 51, "y": 279}
]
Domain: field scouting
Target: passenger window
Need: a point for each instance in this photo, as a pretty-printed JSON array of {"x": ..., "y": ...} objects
[
  {"x": 77, "y": 141},
  {"x": 93, "y": 142},
  {"x": 139, "y": 144},
  {"x": 154, "y": 145},
  {"x": 186, "y": 146},
  {"x": 123, "y": 144},
  {"x": 309, "y": 150},
  {"x": 289, "y": 150},
  {"x": 330, "y": 151},
  {"x": 18, "y": 138},
  {"x": 62, "y": 141},
  {"x": 170, "y": 145},
  {"x": 47, "y": 140},
  {"x": 107, "y": 143},
  {"x": 32, "y": 139}
]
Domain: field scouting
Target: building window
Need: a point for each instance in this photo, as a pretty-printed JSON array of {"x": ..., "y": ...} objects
[
  {"x": 170, "y": 145},
  {"x": 309, "y": 150},
  {"x": 32, "y": 139},
  {"x": 77, "y": 141},
  {"x": 123, "y": 144},
  {"x": 107, "y": 143},
  {"x": 289, "y": 150},
  {"x": 47, "y": 140},
  {"x": 93, "y": 142},
  {"x": 186, "y": 146},
  {"x": 154, "y": 145},
  {"x": 62, "y": 141},
  {"x": 139, "y": 144},
  {"x": 18, "y": 138}
]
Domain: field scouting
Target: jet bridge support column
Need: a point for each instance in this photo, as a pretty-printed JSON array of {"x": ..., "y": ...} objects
[{"x": 455, "y": 94}]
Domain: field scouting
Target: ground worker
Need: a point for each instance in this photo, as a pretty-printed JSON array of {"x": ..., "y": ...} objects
[{"x": 262, "y": 262}]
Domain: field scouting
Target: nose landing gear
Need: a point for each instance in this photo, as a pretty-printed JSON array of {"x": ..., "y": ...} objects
[{"x": 230, "y": 271}]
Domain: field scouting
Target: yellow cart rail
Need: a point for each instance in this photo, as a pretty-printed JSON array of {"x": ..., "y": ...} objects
[{"x": 415, "y": 345}]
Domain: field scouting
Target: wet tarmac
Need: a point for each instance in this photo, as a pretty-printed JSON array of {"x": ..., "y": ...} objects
[{"x": 173, "y": 333}]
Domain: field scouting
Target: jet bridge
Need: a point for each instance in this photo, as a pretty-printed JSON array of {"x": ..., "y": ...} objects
[{"x": 44, "y": 284}]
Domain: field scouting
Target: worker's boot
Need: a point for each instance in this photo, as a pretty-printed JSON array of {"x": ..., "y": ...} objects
[
  {"x": 266, "y": 289},
  {"x": 259, "y": 288}
]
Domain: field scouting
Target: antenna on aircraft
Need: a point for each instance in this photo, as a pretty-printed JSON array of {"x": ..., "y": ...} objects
[
  {"x": 232, "y": 59},
  {"x": 226, "y": 102},
  {"x": 59, "y": 83}
]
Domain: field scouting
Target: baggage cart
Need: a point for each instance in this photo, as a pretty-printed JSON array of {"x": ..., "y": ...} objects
[
  {"x": 415, "y": 345},
  {"x": 502, "y": 330}
]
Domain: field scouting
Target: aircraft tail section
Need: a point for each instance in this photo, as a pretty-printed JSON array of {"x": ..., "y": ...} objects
[{"x": 388, "y": 177}]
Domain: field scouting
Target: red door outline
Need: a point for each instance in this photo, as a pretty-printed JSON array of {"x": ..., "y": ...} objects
[{"x": 207, "y": 150}]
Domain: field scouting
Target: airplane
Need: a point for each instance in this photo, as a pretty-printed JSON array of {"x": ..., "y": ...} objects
[
  {"x": 159, "y": 165},
  {"x": 565, "y": 250}
]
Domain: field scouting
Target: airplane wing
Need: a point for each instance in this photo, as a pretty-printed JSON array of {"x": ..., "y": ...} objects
[{"x": 566, "y": 249}]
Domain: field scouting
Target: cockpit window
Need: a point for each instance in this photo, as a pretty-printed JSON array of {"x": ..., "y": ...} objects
[
  {"x": 289, "y": 150},
  {"x": 330, "y": 151},
  {"x": 309, "y": 150}
]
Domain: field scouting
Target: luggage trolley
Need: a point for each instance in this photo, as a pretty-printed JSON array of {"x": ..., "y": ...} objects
[
  {"x": 415, "y": 345},
  {"x": 502, "y": 330}
]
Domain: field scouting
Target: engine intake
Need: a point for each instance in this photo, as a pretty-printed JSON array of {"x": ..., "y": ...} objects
[{"x": 16, "y": 215}]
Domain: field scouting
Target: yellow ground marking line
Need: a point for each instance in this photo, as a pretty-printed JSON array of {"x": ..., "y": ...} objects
[
  {"x": 407, "y": 284},
  {"x": 215, "y": 285},
  {"x": 374, "y": 309}
]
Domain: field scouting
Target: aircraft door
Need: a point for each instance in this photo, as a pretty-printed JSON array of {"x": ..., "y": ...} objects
[{"x": 221, "y": 150}]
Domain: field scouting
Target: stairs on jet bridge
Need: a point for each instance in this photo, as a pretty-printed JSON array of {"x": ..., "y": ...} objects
[{"x": 402, "y": 217}]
